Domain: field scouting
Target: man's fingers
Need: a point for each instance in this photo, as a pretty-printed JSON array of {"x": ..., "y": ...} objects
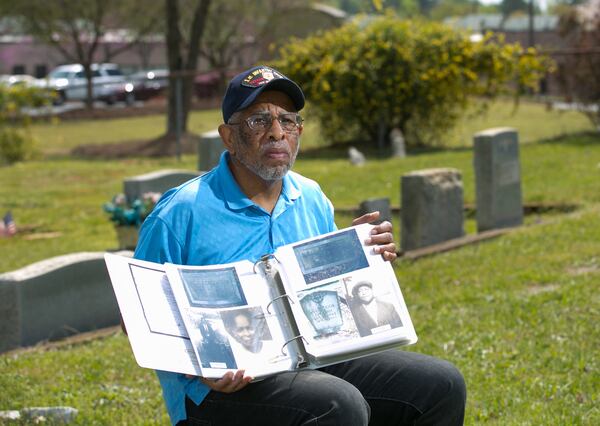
[
  {"x": 230, "y": 382},
  {"x": 366, "y": 218},
  {"x": 384, "y": 226},
  {"x": 380, "y": 239},
  {"x": 390, "y": 255}
]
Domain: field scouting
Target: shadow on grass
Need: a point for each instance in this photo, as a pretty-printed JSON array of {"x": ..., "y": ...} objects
[{"x": 584, "y": 138}]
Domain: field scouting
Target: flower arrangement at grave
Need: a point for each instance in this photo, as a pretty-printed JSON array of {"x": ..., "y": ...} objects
[
  {"x": 128, "y": 216},
  {"x": 123, "y": 213}
]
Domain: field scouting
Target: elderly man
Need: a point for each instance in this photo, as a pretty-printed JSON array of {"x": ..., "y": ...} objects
[{"x": 248, "y": 206}]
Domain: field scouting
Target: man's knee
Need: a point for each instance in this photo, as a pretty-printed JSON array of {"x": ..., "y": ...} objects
[
  {"x": 337, "y": 402},
  {"x": 454, "y": 382}
]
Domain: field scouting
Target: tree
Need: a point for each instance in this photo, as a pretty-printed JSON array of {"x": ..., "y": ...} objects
[
  {"x": 233, "y": 31},
  {"x": 182, "y": 57},
  {"x": 367, "y": 78},
  {"x": 579, "y": 65},
  {"x": 75, "y": 28},
  {"x": 508, "y": 7}
]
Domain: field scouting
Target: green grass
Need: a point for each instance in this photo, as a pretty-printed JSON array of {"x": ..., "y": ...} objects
[
  {"x": 60, "y": 137},
  {"x": 534, "y": 122},
  {"x": 63, "y": 197},
  {"x": 518, "y": 314}
]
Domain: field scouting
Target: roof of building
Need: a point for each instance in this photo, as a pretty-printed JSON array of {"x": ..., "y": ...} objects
[{"x": 494, "y": 22}]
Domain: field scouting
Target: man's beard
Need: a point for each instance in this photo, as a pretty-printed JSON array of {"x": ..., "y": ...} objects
[{"x": 268, "y": 173}]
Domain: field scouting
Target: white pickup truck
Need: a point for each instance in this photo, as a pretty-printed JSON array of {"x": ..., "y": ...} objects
[{"x": 70, "y": 83}]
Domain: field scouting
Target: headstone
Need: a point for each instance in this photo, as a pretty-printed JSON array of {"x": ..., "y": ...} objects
[
  {"x": 382, "y": 205},
  {"x": 432, "y": 207},
  {"x": 55, "y": 298},
  {"x": 210, "y": 148},
  {"x": 10, "y": 415},
  {"x": 398, "y": 144},
  {"x": 497, "y": 179},
  {"x": 159, "y": 181},
  {"x": 56, "y": 415},
  {"x": 356, "y": 157}
]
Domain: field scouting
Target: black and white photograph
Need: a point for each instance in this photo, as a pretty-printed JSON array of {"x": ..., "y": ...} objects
[
  {"x": 249, "y": 336},
  {"x": 214, "y": 288},
  {"x": 372, "y": 314},
  {"x": 213, "y": 347},
  {"x": 327, "y": 311},
  {"x": 331, "y": 256}
]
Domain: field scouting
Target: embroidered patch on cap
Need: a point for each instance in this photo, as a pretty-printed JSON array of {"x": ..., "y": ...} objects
[{"x": 260, "y": 76}]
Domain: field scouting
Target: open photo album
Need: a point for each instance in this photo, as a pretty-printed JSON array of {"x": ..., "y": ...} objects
[{"x": 312, "y": 303}]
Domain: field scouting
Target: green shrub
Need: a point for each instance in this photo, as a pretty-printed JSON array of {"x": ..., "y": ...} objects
[
  {"x": 16, "y": 143},
  {"x": 370, "y": 76}
]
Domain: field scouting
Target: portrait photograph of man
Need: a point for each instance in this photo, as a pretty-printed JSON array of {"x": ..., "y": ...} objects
[{"x": 371, "y": 314}]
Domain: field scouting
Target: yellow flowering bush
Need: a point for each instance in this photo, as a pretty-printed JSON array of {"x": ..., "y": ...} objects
[
  {"x": 16, "y": 143},
  {"x": 372, "y": 75}
]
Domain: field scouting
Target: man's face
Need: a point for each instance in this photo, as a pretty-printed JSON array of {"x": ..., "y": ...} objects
[
  {"x": 267, "y": 153},
  {"x": 365, "y": 294},
  {"x": 243, "y": 331}
]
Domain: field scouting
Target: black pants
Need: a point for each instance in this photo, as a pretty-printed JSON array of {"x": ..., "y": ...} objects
[{"x": 391, "y": 388}]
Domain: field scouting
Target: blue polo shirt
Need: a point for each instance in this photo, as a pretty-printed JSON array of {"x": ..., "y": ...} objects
[{"x": 208, "y": 221}]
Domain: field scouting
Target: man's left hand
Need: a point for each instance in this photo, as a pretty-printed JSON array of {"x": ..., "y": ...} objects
[{"x": 381, "y": 236}]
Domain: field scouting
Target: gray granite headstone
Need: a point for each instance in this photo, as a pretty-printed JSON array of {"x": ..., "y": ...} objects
[
  {"x": 55, "y": 298},
  {"x": 432, "y": 207},
  {"x": 210, "y": 148},
  {"x": 497, "y": 179},
  {"x": 398, "y": 143},
  {"x": 377, "y": 204},
  {"x": 159, "y": 181}
]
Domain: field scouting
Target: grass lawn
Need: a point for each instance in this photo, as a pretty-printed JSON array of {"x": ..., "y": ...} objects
[
  {"x": 518, "y": 314},
  {"x": 58, "y": 202},
  {"x": 533, "y": 121}
]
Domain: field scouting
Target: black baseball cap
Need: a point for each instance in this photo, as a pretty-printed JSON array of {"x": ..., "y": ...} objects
[{"x": 246, "y": 86}]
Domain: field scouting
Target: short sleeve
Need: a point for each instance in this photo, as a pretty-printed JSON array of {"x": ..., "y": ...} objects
[{"x": 157, "y": 243}]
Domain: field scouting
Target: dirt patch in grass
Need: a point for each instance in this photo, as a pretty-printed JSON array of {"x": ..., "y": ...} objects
[
  {"x": 538, "y": 289},
  {"x": 162, "y": 146},
  {"x": 583, "y": 270}
]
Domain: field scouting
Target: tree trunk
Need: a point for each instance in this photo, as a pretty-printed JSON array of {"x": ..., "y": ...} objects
[
  {"x": 89, "y": 89},
  {"x": 180, "y": 67},
  {"x": 174, "y": 60}
]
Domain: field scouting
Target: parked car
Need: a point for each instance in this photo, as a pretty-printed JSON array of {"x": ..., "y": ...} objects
[
  {"x": 206, "y": 85},
  {"x": 70, "y": 83},
  {"x": 140, "y": 86},
  {"x": 149, "y": 83}
]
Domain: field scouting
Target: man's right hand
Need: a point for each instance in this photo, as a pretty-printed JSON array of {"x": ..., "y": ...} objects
[{"x": 229, "y": 383}]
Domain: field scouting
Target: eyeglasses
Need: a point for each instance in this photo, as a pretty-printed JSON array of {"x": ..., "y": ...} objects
[{"x": 289, "y": 121}]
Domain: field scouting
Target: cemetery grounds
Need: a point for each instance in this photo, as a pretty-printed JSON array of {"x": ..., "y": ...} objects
[{"x": 517, "y": 314}]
